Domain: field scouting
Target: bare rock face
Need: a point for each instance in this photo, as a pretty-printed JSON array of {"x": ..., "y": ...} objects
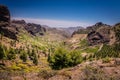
[
  {"x": 8, "y": 32},
  {"x": 101, "y": 35},
  {"x": 5, "y": 27},
  {"x": 35, "y": 29},
  {"x": 90, "y": 28},
  {"x": 4, "y": 15}
]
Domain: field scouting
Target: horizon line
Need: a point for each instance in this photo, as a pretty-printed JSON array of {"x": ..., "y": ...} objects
[{"x": 54, "y": 23}]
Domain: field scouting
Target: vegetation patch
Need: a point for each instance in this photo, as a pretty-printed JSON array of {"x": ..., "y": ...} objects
[
  {"x": 108, "y": 51},
  {"x": 62, "y": 58}
]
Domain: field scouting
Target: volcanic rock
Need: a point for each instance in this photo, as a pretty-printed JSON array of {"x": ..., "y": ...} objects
[
  {"x": 35, "y": 29},
  {"x": 4, "y": 16},
  {"x": 5, "y": 28},
  {"x": 101, "y": 35}
]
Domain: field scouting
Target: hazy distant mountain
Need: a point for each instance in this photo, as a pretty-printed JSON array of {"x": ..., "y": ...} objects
[
  {"x": 70, "y": 30},
  {"x": 56, "y": 31}
]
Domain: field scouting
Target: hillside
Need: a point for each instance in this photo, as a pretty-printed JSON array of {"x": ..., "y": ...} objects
[{"x": 30, "y": 51}]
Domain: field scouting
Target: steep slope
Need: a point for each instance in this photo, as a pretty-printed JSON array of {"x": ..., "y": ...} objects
[
  {"x": 5, "y": 27},
  {"x": 90, "y": 28},
  {"x": 98, "y": 33},
  {"x": 56, "y": 34},
  {"x": 34, "y": 52}
]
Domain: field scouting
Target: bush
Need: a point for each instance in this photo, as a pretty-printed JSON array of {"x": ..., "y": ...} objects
[
  {"x": 3, "y": 54},
  {"x": 106, "y": 60},
  {"x": 91, "y": 50},
  {"x": 84, "y": 43},
  {"x": 35, "y": 60},
  {"x": 117, "y": 32},
  {"x": 12, "y": 54},
  {"x": 59, "y": 59},
  {"x": 62, "y": 58},
  {"x": 116, "y": 48},
  {"x": 33, "y": 56},
  {"x": 23, "y": 56},
  {"x": 76, "y": 58},
  {"x": 106, "y": 51}
]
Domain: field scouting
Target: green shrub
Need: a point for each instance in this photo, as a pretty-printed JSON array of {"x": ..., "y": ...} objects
[
  {"x": 106, "y": 51},
  {"x": 84, "y": 43},
  {"x": 33, "y": 56},
  {"x": 117, "y": 32},
  {"x": 12, "y": 54},
  {"x": 3, "y": 50},
  {"x": 23, "y": 56},
  {"x": 116, "y": 48},
  {"x": 76, "y": 58},
  {"x": 106, "y": 60},
  {"x": 62, "y": 58},
  {"x": 91, "y": 50},
  {"x": 59, "y": 59},
  {"x": 35, "y": 60}
]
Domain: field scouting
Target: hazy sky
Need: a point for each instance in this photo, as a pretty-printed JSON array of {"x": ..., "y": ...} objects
[{"x": 65, "y": 13}]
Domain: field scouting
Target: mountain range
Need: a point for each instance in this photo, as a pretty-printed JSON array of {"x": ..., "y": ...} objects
[{"x": 30, "y": 51}]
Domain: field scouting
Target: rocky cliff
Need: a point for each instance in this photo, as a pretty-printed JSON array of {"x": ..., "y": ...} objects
[
  {"x": 98, "y": 33},
  {"x": 5, "y": 28},
  {"x": 101, "y": 35},
  {"x": 10, "y": 28},
  {"x": 31, "y": 28},
  {"x": 4, "y": 15}
]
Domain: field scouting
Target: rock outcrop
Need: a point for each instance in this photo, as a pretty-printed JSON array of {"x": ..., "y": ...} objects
[
  {"x": 90, "y": 28},
  {"x": 35, "y": 29},
  {"x": 5, "y": 28},
  {"x": 4, "y": 15},
  {"x": 96, "y": 34},
  {"x": 101, "y": 35}
]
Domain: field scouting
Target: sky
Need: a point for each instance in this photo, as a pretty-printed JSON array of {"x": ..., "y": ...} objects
[{"x": 65, "y": 13}]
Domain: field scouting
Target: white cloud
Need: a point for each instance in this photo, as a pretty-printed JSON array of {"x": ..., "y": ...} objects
[{"x": 54, "y": 23}]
